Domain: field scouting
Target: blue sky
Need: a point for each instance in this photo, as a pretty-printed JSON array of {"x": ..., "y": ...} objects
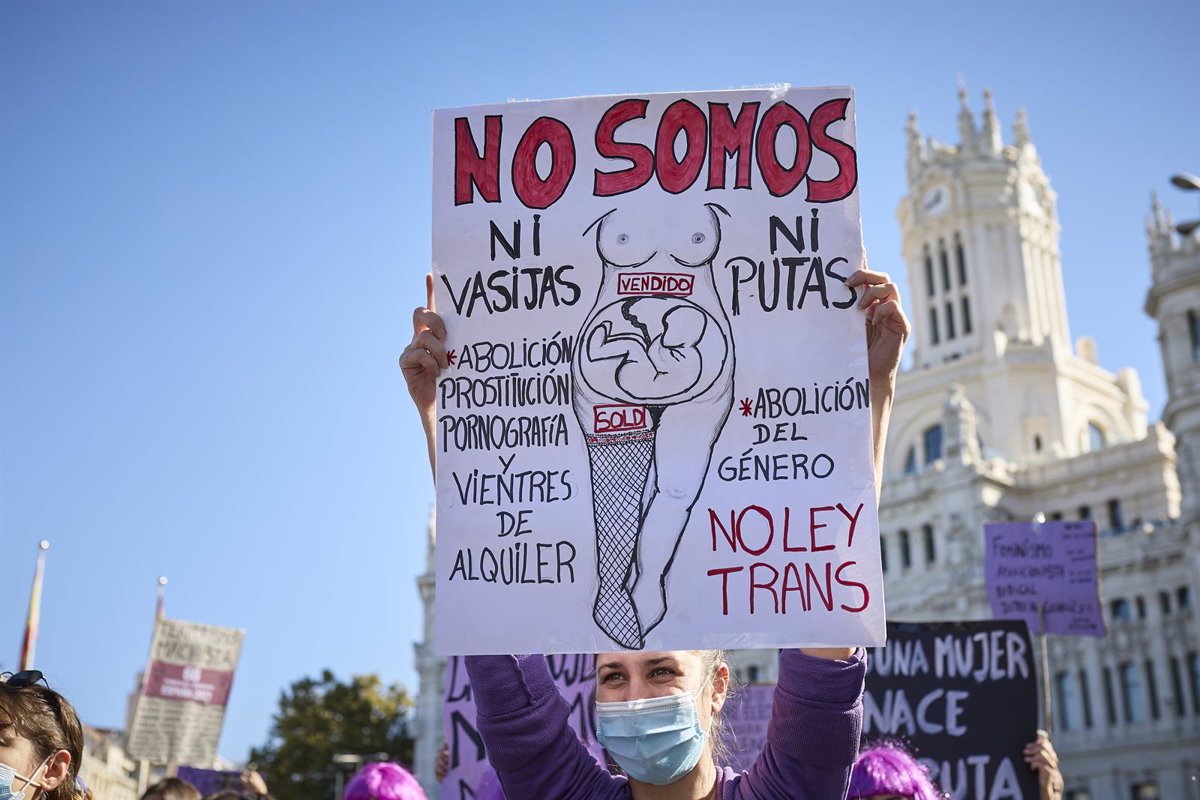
[{"x": 214, "y": 222}]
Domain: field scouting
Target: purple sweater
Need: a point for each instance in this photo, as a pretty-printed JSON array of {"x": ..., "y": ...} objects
[{"x": 812, "y": 739}]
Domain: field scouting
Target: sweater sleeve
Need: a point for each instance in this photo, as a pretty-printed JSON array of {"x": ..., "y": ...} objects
[
  {"x": 813, "y": 735},
  {"x": 524, "y": 724}
]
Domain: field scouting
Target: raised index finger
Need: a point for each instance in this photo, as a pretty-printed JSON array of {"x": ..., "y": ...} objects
[{"x": 429, "y": 291}]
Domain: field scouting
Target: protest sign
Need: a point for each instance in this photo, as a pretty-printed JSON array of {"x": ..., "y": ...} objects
[
  {"x": 1049, "y": 566},
  {"x": 185, "y": 689},
  {"x": 211, "y": 781},
  {"x": 746, "y": 716},
  {"x": 964, "y": 696},
  {"x": 575, "y": 676},
  {"x": 654, "y": 430}
]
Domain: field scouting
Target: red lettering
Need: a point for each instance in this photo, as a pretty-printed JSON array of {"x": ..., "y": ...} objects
[
  {"x": 531, "y": 188},
  {"x": 787, "y": 526},
  {"x": 781, "y": 180},
  {"x": 682, "y": 115},
  {"x": 640, "y": 157},
  {"x": 811, "y": 578},
  {"x": 724, "y": 573},
  {"x": 866, "y": 599},
  {"x": 728, "y": 138},
  {"x": 769, "y": 586},
  {"x": 472, "y": 169},
  {"x": 853, "y": 521},
  {"x": 813, "y": 526},
  {"x": 714, "y": 522},
  {"x": 843, "y": 184},
  {"x": 739, "y": 528},
  {"x": 791, "y": 583}
]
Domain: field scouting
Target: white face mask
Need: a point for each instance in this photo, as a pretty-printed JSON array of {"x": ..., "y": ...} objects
[{"x": 8, "y": 776}]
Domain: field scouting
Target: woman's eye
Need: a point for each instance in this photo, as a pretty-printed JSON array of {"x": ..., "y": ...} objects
[{"x": 697, "y": 238}]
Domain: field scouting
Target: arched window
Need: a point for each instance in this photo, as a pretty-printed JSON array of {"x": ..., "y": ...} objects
[
  {"x": 1120, "y": 611},
  {"x": 944, "y": 263},
  {"x": 1037, "y": 443},
  {"x": 910, "y": 461},
  {"x": 929, "y": 290},
  {"x": 933, "y": 443},
  {"x": 949, "y": 319},
  {"x": 1096, "y": 438},
  {"x": 1131, "y": 692},
  {"x": 962, "y": 268},
  {"x": 1194, "y": 332},
  {"x": 933, "y": 325},
  {"x": 966, "y": 315},
  {"x": 1116, "y": 520},
  {"x": 752, "y": 673},
  {"x": 930, "y": 544},
  {"x": 883, "y": 554},
  {"x": 905, "y": 550}
]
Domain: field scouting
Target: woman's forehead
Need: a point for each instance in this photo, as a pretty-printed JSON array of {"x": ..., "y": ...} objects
[{"x": 631, "y": 660}]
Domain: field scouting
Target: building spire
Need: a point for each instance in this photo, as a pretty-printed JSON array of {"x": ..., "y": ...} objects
[
  {"x": 991, "y": 124},
  {"x": 966, "y": 121},
  {"x": 1021, "y": 129},
  {"x": 916, "y": 148}
]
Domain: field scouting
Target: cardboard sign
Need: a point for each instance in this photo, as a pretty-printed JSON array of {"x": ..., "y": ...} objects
[
  {"x": 575, "y": 676},
  {"x": 654, "y": 431},
  {"x": 964, "y": 696},
  {"x": 746, "y": 717},
  {"x": 211, "y": 781},
  {"x": 185, "y": 688},
  {"x": 1051, "y": 566}
]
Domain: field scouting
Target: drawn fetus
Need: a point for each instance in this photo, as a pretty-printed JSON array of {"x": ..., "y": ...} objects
[{"x": 653, "y": 386}]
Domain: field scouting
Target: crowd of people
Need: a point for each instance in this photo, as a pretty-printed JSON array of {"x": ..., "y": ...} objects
[{"x": 658, "y": 713}]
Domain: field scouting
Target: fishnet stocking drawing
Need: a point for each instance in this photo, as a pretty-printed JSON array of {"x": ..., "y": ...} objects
[{"x": 624, "y": 461}]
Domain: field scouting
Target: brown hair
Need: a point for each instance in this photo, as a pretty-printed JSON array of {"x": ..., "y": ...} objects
[
  {"x": 45, "y": 718},
  {"x": 172, "y": 789},
  {"x": 720, "y": 736}
]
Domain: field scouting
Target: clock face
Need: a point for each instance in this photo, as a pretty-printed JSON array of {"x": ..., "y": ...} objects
[{"x": 936, "y": 201}]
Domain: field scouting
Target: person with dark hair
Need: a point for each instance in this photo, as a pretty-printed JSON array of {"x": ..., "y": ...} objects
[
  {"x": 658, "y": 713},
  {"x": 41, "y": 740},
  {"x": 172, "y": 789}
]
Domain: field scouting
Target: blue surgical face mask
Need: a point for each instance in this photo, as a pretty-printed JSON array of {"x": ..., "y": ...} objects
[
  {"x": 8, "y": 776},
  {"x": 657, "y": 741}
]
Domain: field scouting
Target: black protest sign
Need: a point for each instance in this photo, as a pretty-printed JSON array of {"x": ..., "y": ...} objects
[{"x": 964, "y": 696}]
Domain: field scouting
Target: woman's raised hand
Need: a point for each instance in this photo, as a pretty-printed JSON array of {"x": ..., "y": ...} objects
[
  {"x": 887, "y": 326},
  {"x": 421, "y": 362}
]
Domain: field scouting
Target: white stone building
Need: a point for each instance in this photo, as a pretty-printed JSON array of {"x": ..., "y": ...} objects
[
  {"x": 1000, "y": 417},
  {"x": 106, "y": 769}
]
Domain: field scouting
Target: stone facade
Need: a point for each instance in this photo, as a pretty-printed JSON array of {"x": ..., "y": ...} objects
[{"x": 1000, "y": 417}]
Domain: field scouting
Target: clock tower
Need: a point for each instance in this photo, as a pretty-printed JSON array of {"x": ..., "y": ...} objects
[{"x": 981, "y": 240}]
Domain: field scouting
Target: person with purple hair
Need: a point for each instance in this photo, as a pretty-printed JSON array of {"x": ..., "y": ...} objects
[
  {"x": 885, "y": 770},
  {"x": 383, "y": 781}
]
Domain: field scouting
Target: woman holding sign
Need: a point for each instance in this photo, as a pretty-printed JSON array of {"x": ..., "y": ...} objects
[{"x": 657, "y": 713}]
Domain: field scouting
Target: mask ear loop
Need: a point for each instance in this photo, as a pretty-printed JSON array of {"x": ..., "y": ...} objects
[{"x": 38, "y": 786}]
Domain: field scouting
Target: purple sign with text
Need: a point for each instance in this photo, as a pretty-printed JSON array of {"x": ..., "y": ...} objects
[
  {"x": 747, "y": 714},
  {"x": 470, "y": 776},
  {"x": 1049, "y": 567}
]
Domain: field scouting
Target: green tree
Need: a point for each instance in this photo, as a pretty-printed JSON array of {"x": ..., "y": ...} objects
[{"x": 319, "y": 717}]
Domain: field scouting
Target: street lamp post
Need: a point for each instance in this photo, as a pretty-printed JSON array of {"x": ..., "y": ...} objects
[{"x": 1189, "y": 183}]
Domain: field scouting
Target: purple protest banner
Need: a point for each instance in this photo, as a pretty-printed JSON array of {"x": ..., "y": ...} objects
[
  {"x": 1049, "y": 568},
  {"x": 470, "y": 776},
  {"x": 746, "y": 717},
  {"x": 211, "y": 781}
]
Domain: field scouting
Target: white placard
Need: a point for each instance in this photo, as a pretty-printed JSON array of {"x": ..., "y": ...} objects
[{"x": 655, "y": 431}]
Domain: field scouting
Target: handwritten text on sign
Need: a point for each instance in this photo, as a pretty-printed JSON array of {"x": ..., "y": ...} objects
[
  {"x": 1051, "y": 566},
  {"x": 938, "y": 686},
  {"x": 654, "y": 429}
]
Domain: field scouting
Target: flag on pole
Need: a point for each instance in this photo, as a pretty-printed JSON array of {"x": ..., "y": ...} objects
[
  {"x": 160, "y": 605},
  {"x": 29, "y": 643}
]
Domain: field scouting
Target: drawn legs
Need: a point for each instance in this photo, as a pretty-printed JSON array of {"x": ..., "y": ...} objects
[
  {"x": 619, "y": 466},
  {"x": 683, "y": 446}
]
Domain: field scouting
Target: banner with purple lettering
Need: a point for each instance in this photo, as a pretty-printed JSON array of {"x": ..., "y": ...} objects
[
  {"x": 1045, "y": 574},
  {"x": 963, "y": 696},
  {"x": 654, "y": 430},
  {"x": 470, "y": 776}
]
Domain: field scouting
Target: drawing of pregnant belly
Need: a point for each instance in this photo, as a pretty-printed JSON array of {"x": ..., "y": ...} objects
[{"x": 637, "y": 325}]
